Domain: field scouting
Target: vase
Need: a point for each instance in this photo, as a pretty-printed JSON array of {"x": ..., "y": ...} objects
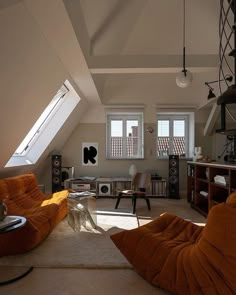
[{"x": 132, "y": 170}]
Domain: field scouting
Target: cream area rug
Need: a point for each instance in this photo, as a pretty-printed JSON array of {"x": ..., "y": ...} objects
[
  {"x": 93, "y": 248},
  {"x": 87, "y": 248}
]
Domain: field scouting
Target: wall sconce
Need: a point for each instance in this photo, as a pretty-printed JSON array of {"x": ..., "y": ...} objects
[
  {"x": 149, "y": 129},
  {"x": 211, "y": 93}
]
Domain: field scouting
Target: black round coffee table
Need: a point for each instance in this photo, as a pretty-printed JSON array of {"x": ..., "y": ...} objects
[{"x": 20, "y": 222}]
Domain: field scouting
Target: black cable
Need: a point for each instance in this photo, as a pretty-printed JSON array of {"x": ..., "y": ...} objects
[
  {"x": 17, "y": 278},
  {"x": 229, "y": 112},
  {"x": 226, "y": 147}
]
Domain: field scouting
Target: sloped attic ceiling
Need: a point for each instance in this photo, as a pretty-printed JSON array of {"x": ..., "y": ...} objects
[{"x": 133, "y": 48}]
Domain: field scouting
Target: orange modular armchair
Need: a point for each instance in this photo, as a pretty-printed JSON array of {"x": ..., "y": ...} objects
[
  {"x": 43, "y": 212},
  {"x": 185, "y": 258}
]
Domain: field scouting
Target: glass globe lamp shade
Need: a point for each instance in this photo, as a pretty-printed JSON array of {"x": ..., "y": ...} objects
[{"x": 184, "y": 79}]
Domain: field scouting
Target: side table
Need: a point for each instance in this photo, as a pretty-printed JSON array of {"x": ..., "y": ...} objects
[
  {"x": 82, "y": 208},
  {"x": 6, "y": 230}
]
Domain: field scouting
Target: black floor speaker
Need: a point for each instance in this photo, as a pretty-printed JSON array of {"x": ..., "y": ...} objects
[
  {"x": 174, "y": 176},
  {"x": 56, "y": 173}
]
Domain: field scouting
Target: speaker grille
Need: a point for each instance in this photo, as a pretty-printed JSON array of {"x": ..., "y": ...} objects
[
  {"x": 104, "y": 189},
  {"x": 173, "y": 179},
  {"x": 56, "y": 173},
  {"x": 174, "y": 176}
]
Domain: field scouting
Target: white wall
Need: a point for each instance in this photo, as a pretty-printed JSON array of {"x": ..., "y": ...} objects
[
  {"x": 33, "y": 67},
  {"x": 93, "y": 129},
  {"x": 30, "y": 76}
]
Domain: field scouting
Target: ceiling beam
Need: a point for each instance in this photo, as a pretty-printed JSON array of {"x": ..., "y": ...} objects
[
  {"x": 121, "y": 21},
  {"x": 76, "y": 16},
  {"x": 116, "y": 11},
  {"x": 150, "y": 63},
  {"x": 208, "y": 103},
  {"x": 213, "y": 116}
]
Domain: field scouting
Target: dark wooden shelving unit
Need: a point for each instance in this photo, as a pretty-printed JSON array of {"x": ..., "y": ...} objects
[{"x": 200, "y": 179}]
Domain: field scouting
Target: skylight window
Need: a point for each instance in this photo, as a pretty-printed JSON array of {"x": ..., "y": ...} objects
[
  {"x": 46, "y": 127},
  {"x": 43, "y": 119}
]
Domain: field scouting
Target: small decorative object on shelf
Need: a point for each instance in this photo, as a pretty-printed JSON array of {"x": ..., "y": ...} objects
[
  {"x": 3, "y": 210},
  {"x": 206, "y": 159},
  {"x": 132, "y": 170},
  {"x": 222, "y": 179},
  {"x": 197, "y": 153},
  {"x": 203, "y": 193}
]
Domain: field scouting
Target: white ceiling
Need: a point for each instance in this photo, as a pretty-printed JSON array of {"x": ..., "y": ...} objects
[
  {"x": 130, "y": 51},
  {"x": 133, "y": 48},
  {"x": 112, "y": 51}
]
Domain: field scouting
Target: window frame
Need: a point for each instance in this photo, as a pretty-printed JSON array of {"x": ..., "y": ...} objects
[
  {"x": 124, "y": 116},
  {"x": 188, "y": 117},
  {"x": 48, "y": 129}
]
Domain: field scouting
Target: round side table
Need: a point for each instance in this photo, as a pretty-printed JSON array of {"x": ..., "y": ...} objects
[{"x": 7, "y": 229}]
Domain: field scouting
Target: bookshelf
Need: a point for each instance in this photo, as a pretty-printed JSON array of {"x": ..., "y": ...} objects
[{"x": 209, "y": 184}]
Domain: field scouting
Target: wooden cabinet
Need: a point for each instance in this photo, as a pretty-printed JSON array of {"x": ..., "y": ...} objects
[{"x": 209, "y": 184}]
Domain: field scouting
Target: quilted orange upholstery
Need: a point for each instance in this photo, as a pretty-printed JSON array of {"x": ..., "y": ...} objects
[
  {"x": 182, "y": 257},
  {"x": 43, "y": 212}
]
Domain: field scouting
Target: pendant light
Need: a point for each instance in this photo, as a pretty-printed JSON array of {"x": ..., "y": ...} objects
[{"x": 184, "y": 78}]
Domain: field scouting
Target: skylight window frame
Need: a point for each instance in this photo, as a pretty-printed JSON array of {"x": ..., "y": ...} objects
[
  {"x": 48, "y": 117},
  {"x": 49, "y": 129}
]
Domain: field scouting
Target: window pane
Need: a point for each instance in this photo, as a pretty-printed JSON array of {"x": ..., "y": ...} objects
[
  {"x": 116, "y": 138},
  {"x": 132, "y": 137},
  {"x": 179, "y": 137},
  {"x": 116, "y": 128},
  {"x": 179, "y": 128},
  {"x": 132, "y": 128},
  {"x": 179, "y": 146},
  {"x": 163, "y": 128},
  {"x": 163, "y": 145}
]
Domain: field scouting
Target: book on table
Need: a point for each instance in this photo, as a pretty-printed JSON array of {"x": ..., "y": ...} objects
[
  {"x": 9, "y": 221},
  {"x": 81, "y": 194}
]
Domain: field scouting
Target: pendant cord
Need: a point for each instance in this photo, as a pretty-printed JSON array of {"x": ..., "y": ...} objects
[
  {"x": 184, "y": 38},
  {"x": 184, "y": 78}
]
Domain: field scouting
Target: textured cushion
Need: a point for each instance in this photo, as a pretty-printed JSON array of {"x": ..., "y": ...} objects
[
  {"x": 231, "y": 200},
  {"x": 182, "y": 257}
]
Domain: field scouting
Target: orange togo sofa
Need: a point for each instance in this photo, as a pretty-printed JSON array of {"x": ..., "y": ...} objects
[
  {"x": 184, "y": 258},
  {"x": 42, "y": 211}
]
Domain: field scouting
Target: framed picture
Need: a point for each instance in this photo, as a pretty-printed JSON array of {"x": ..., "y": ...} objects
[{"x": 89, "y": 154}]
